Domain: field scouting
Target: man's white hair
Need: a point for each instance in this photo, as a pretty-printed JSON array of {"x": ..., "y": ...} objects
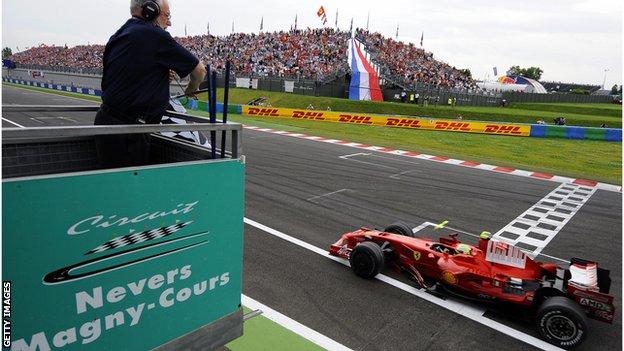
[{"x": 136, "y": 5}]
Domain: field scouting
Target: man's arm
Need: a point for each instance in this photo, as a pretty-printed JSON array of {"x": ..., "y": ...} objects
[{"x": 197, "y": 76}]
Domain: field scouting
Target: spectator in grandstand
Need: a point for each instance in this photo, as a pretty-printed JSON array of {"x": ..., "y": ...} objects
[{"x": 135, "y": 83}]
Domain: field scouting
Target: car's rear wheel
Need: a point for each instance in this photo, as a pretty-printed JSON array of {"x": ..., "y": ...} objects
[
  {"x": 366, "y": 259},
  {"x": 561, "y": 322},
  {"x": 399, "y": 228}
]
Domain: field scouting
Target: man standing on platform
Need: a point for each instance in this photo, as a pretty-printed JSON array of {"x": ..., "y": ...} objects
[{"x": 138, "y": 61}]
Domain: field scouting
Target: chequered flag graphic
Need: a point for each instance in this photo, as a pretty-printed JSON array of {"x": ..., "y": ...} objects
[{"x": 139, "y": 237}]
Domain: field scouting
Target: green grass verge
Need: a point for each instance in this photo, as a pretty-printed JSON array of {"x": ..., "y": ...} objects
[
  {"x": 579, "y": 117},
  {"x": 261, "y": 333},
  {"x": 597, "y": 160}
]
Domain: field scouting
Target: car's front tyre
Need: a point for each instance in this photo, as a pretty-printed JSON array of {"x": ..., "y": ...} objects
[{"x": 366, "y": 259}]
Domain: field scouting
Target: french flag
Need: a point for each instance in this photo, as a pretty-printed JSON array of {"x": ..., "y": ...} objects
[{"x": 364, "y": 80}]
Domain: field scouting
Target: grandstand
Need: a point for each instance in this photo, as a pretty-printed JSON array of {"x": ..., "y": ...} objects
[{"x": 318, "y": 54}]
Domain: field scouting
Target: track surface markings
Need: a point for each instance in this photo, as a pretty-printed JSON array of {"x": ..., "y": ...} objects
[
  {"x": 441, "y": 159},
  {"x": 328, "y": 194},
  {"x": 457, "y": 306},
  {"x": 294, "y": 326},
  {"x": 537, "y": 226},
  {"x": 14, "y": 123}
]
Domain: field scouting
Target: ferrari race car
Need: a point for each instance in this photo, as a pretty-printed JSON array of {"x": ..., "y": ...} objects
[{"x": 559, "y": 298}]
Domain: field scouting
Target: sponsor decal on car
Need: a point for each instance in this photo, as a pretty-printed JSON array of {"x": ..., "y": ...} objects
[
  {"x": 594, "y": 304},
  {"x": 449, "y": 277}
]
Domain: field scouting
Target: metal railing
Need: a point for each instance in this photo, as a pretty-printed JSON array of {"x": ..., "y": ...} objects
[{"x": 18, "y": 135}]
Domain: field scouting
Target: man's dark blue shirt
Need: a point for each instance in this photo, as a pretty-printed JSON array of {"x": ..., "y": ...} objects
[{"x": 137, "y": 60}]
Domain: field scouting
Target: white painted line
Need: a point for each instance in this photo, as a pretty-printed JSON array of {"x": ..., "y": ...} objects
[
  {"x": 328, "y": 194},
  {"x": 16, "y": 124},
  {"x": 359, "y": 153},
  {"x": 294, "y": 326},
  {"x": 396, "y": 176},
  {"x": 347, "y": 157},
  {"x": 34, "y": 119},
  {"x": 450, "y": 304}
]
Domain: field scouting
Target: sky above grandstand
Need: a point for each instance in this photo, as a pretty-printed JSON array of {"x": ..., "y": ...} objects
[{"x": 571, "y": 40}]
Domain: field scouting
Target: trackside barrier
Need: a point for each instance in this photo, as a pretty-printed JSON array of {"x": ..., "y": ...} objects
[
  {"x": 497, "y": 128},
  {"x": 136, "y": 258},
  {"x": 59, "y": 87},
  {"x": 548, "y": 131},
  {"x": 391, "y": 121},
  {"x": 514, "y": 129}
]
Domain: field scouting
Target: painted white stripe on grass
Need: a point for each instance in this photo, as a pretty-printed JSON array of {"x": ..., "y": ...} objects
[
  {"x": 294, "y": 326},
  {"x": 13, "y": 123},
  {"x": 456, "y": 306}
]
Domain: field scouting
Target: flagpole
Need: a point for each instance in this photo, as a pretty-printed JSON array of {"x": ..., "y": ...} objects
[{"x": 367, "y": 19}]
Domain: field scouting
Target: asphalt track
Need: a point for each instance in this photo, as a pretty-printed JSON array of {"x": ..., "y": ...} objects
[{"x": 315, "y": 191}]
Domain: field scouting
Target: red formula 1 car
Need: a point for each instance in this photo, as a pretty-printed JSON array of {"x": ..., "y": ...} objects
[{"x": 560, "y": 298}]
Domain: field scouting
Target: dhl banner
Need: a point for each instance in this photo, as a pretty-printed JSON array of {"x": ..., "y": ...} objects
[{"x": 391, "y": 121}]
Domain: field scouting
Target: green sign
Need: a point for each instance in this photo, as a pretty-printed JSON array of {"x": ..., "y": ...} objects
[{"x": 122, "y": 260}]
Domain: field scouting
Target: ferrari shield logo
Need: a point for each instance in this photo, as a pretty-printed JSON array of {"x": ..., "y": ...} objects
[{"x": 416, "y": 255}]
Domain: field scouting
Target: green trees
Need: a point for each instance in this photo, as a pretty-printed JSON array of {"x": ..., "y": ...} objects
[
  {"x": 614, "y": 89},
  {"x": 531, "y": 72},
  {"x": 6, "y": 52}
]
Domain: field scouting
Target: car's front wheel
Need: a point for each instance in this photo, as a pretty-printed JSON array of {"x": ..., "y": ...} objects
[
  {"x": 366, "y": 259},
  {"x": 561, "y": 322}
]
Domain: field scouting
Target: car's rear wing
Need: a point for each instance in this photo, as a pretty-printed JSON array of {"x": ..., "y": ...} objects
[{"x": 589, "y": 286}]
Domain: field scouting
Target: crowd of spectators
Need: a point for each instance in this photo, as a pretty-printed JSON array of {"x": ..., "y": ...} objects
[
  {"x": 311, "y": 54},
  {"x": 81, "y": 56},
  {"x": 413, "y": 65}
]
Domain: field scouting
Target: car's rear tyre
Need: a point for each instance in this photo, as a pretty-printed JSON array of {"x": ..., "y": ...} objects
[
  {"x": 561, "y": 322},
  {"x": 399, "y": 228},
  {"x": 366, "y": 259}
]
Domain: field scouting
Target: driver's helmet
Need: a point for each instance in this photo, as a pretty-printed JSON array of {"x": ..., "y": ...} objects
[{"x": 463, "y": 249}]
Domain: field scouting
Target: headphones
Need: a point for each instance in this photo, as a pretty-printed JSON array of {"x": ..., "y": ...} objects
[{"x": 150, "y": 10}]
